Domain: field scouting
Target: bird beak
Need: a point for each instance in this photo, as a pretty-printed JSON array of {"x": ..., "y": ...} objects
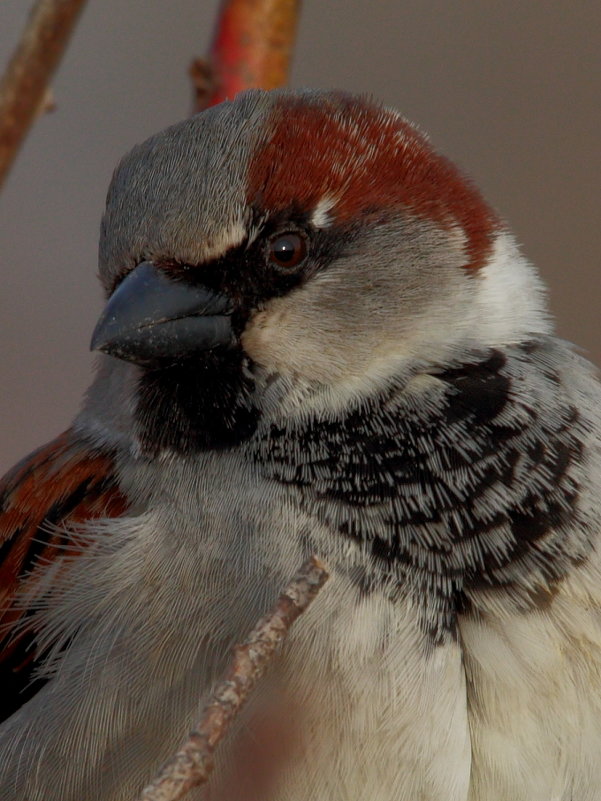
[{"x": 153, "y": 320}]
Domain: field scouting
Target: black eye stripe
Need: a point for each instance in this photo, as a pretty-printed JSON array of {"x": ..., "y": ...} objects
[{"x": 248, "y": 275}]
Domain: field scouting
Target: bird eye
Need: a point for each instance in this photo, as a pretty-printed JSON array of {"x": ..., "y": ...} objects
[{"x": 287, "y": 250}]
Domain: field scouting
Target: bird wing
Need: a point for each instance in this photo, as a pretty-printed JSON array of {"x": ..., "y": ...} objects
[{"x": 67, "y": 481}]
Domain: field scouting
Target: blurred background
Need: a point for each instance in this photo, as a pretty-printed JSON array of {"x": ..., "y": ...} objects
[{"x": 510, "y": 90}]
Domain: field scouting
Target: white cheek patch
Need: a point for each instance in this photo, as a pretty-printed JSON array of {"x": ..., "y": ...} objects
[{"x": 321, "y": 217}]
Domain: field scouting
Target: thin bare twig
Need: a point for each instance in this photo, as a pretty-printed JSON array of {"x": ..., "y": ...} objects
[
  {"x": 24, "y": 88},
  {"x": 193, "y": 763},
  {"x": 252, "y": 47}
]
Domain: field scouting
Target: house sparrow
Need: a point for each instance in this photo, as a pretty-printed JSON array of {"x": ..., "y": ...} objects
[{"x": 319, "y": 339}]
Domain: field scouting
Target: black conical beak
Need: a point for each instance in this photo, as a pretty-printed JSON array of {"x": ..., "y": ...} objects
[{"x": 153, "y": 320}]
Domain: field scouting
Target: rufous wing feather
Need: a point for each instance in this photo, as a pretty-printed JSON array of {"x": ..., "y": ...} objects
[{"x": 68, "y": 481}]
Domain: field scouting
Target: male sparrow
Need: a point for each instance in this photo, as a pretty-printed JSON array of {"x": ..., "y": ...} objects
[{"x": 318, "y": 339}]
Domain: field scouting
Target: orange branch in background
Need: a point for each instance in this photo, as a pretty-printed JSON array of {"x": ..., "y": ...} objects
[
  {"x": 26, "y": 82},
  {"x": 193, "y": 763},
  {"x": 252, "y": 48}
]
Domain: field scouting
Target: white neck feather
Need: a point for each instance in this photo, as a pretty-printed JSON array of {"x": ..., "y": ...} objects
[{"x": 510, "y": 298}]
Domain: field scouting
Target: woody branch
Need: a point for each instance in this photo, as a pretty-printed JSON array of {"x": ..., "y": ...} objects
[
  {"x": 26, "y": 82},
  {"x": 193, "y": 763}
]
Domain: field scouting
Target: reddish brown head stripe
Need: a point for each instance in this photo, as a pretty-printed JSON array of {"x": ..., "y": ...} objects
[{"x": 369, "y": 160}]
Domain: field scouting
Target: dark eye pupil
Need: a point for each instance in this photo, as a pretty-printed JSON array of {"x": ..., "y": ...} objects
[
  {"x": 284, "y": 249},
  {"x": 287, "y": 250}
]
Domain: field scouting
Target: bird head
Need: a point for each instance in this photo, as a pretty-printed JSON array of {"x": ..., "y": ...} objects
[{"x": 310, "y": 237}]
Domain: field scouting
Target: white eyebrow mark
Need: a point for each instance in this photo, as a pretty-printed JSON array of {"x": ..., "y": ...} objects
[
  {"x": 321, "y": 217},
  {"x": 254, "y": 226},
  {"x": 220, "y": 243}
]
